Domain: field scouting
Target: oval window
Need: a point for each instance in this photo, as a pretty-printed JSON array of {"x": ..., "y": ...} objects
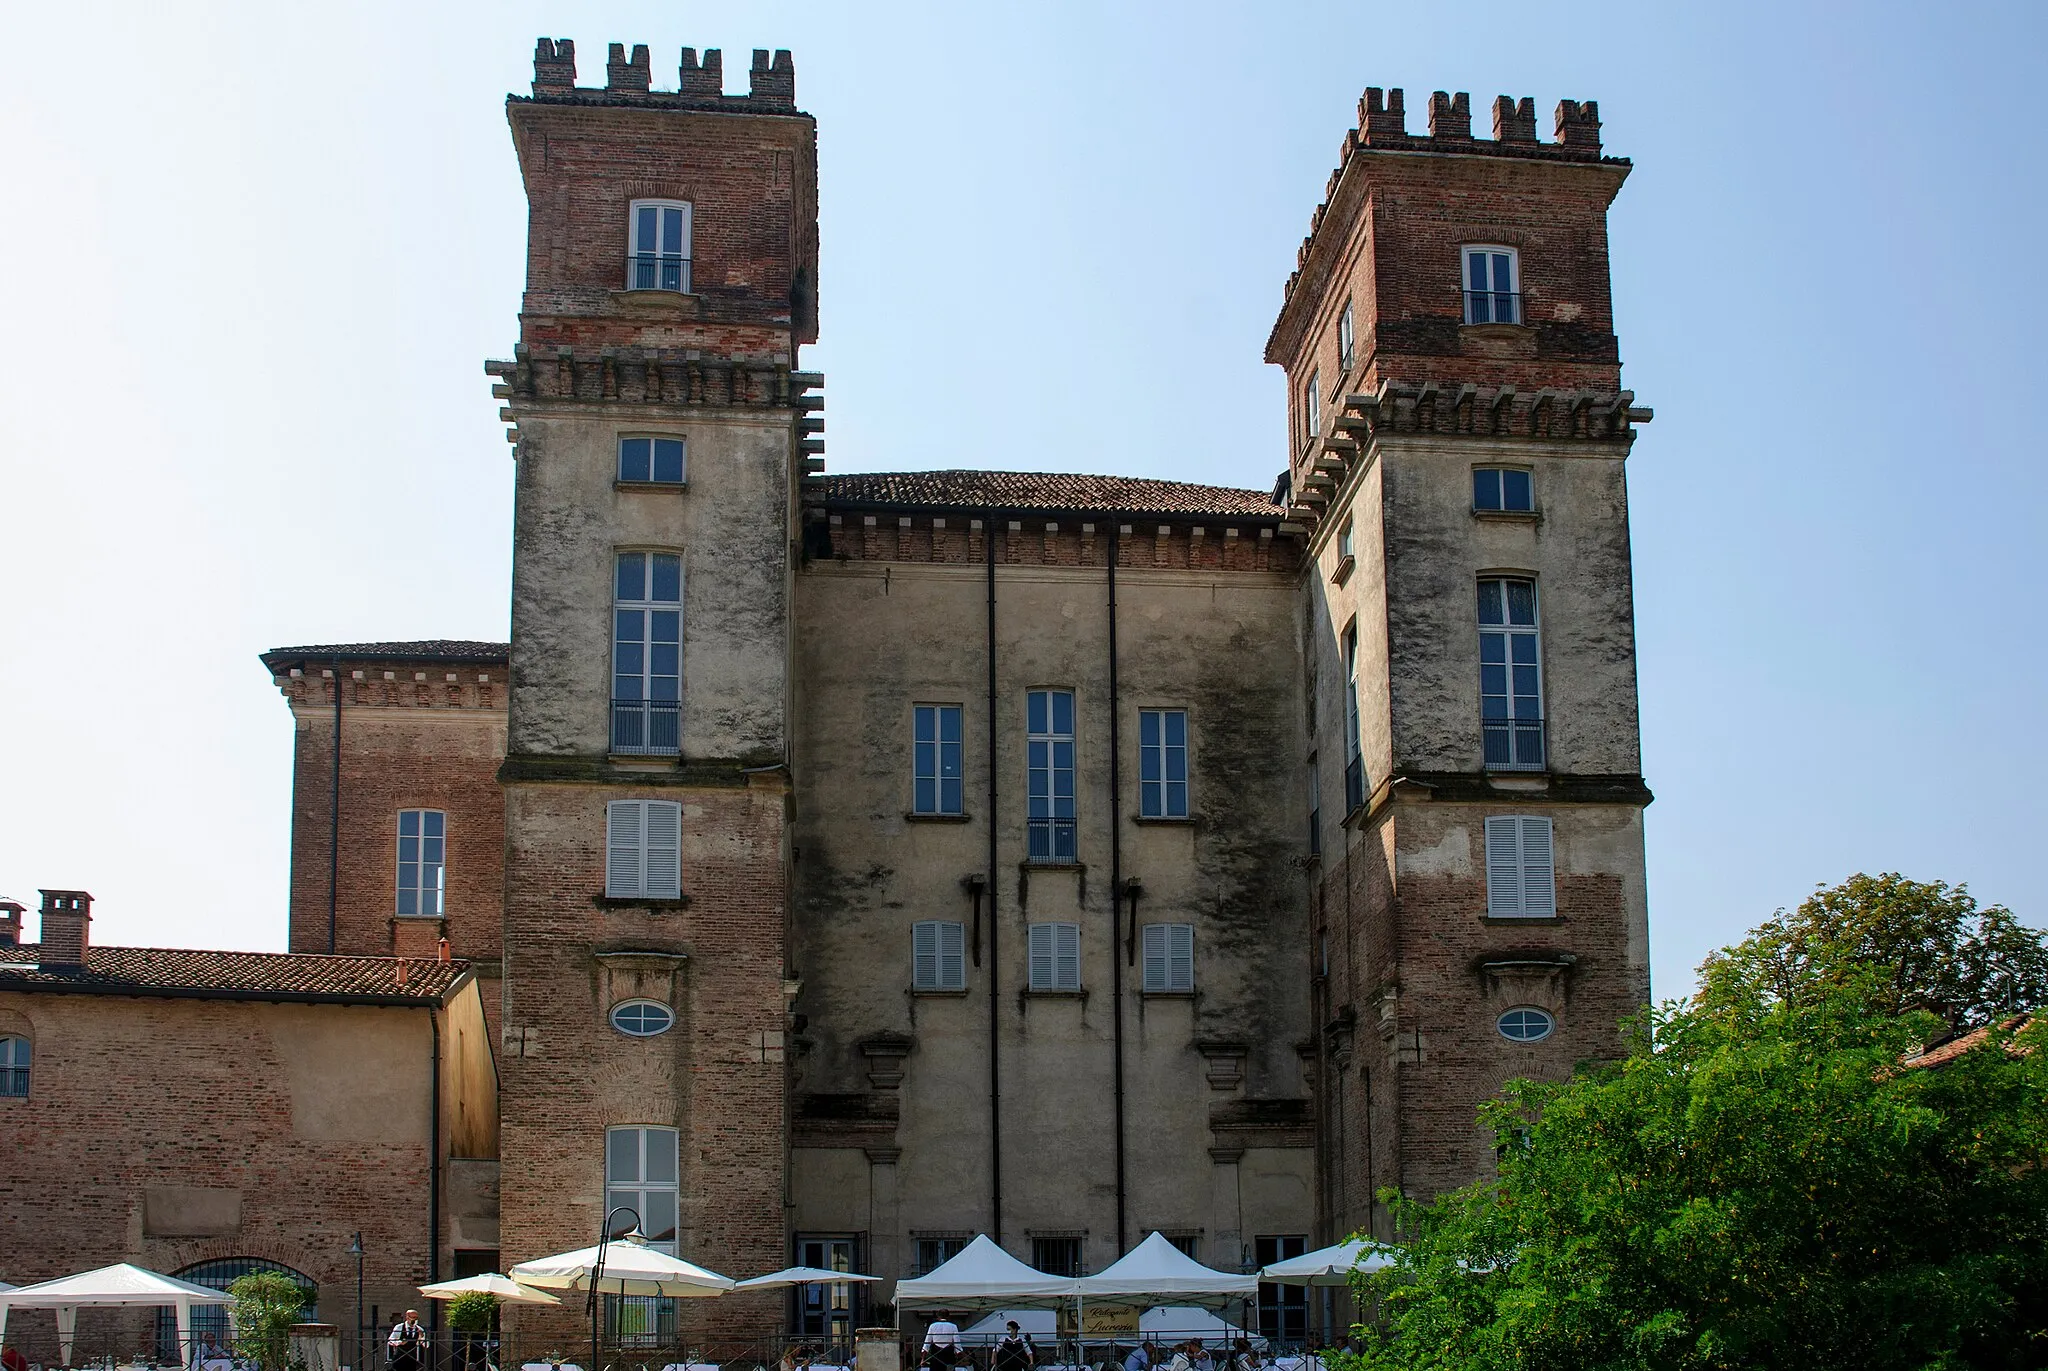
[
  {"x": 1526, "y": 1025},
  {"x": 642, "y": 1018}
]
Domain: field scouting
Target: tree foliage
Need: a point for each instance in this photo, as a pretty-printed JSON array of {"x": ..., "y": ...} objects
[
  {"x": 266, "y": 1305},
  {"x": 472, "y": 1311},
  {"x": 1760, "y": 1182}
]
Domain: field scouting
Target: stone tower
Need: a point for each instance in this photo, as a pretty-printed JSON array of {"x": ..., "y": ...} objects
[
  {"x": 1457, "y": 440},
  {"x": 659, "y": 426}
]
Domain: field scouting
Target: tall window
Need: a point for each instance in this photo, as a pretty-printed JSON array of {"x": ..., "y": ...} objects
[
  {"x": 643, "y": 849},
  {"x": 1503, "y": 488},
  {"x": 1492, "y": 288},
  {"x": 640, "y": 1173},
  {"x": 1510, "y": 678},
  {"x": 658, "y": 257},
  {"x": 1163, "y": 763},
  {"x": 647, "y": 653},
  {"x": 14, "y": 1068},
  {"x": 938, "y": 955},
  {"x": 1354, "y": 747},
  {"x": 422, "y": 864},
  {"x": 933, "y": 1253},
  {"x": 653, "y": 461},
  {"x": 1521, "y": 876},
  {"x": 1059, "y": 1256},
  {"x": 1283, "y": 1309},
  {"x": 1055, "y": 956},
  {"x": 1345, "y": 338},
  {"x": 1050, "y": 747},
  {"x": 1315, "y": 808},
  {"x": 1312, "y": 404},
  {"x": 1169, "y": 959},
  {"x": 936, "y": 763}
]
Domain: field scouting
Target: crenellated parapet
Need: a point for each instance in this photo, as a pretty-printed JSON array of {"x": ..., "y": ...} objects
[
  {"x": 629, "y": 79},
  {"x": 651, "y": 376}
]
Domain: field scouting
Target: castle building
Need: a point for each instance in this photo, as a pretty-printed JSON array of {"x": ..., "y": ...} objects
[{"x": 863, "y": 861}]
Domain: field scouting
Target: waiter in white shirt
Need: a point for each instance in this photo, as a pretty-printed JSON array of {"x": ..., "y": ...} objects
[{"x": 942, "y": 1344}]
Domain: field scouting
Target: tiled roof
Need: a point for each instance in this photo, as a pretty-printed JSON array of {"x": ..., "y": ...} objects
[
  {"x": 430, "y": 650},
  {"x": 179, "y": 971},
  {"x": 1045, "y": 490},
  {"x": 1944, "y": 1053}
]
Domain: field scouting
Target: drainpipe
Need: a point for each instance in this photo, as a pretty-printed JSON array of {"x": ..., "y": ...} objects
[
  {"x": 995, "y": 966},
  {"x": 434, "y": 1166},
  {"x": 1116, "y": 890},
  {"x": 334, "y": 813}
]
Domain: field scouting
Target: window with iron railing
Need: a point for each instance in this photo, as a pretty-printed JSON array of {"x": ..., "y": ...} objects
[
  {"x": 658, "y": 250},
  {"x": 1493, "y": 291},
  {"x": 1510, "y": 675},
  {"x": 14, "y": 1068}
]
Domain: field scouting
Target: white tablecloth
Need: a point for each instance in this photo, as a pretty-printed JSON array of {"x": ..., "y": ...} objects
[{"x": 550, "y": 1366}]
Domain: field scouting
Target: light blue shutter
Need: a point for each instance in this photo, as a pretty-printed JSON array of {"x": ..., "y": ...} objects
[
  {"x": 1539, "y": 871},
  {"x": 924, "y": 956},
  {"x": 952, "y": 956},
  {"x": 1156, "y": 975},
  {"x": 1067, "y": 944},
  {"x": 1180, "y": 957},
  {"x": 623, "y": 848},
  {"x": 1503, "y": 868},
  {"x": 1041, "y": 949},
  {"x": 664, "y": 839}
]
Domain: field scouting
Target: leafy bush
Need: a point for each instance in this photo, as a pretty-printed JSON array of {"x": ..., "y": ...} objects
[
  {"x": 266, "y": 1305},
  {"x": 472, "y": 1312}
]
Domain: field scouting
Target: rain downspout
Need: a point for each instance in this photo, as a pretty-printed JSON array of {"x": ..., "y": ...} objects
[
  {"x": 334, "y": 812},
  {"x": 995, "y": 1079},
  {"x": 1116, "y": 891},
  {"x": 434, "y": 1166}
]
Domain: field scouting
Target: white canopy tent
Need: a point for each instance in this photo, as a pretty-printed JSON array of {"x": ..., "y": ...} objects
[
  {"x": 631, "y": 1267},
  {"x": 1328, "y": 1266},
  {"x": 803, "y": 1275},
  {"x": 120, "y": 1284},
  {"x": 983, "y": 1276},
  {"x": 1179, "y": 1322},
  {"x": 1155, "y": 1272},
  {"x": 507, "y": 1290}
]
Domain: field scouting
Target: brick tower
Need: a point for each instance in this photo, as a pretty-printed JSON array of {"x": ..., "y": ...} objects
[
  {"x": 658, "y": 421},
  {"x": 1457, "y": 439}
]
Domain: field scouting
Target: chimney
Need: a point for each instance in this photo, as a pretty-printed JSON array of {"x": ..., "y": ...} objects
[
  {"x": 66, "y": 914},
  {"x": 10, "y": 921},
  {"x": 441, "y": 949}
]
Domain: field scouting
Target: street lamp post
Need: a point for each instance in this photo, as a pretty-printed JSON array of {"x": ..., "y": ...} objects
[
  {"x": 604, "y": 1233},
  {"x": 355, "y": 1249}
]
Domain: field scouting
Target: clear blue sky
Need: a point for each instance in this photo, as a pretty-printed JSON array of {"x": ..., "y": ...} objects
[{"x": 257, "y": 254}]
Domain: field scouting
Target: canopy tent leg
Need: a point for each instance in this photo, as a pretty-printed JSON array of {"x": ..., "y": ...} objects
[
  {"x": 67, "y": 1330},
  {"x": 184, "y": 1308}
]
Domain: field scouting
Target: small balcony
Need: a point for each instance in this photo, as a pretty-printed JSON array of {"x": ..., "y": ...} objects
[
  {"x": 1493, "y": 307},
  {"x": 1052, "y": 841},
  {"x": 1514, "y": 744},
  {"x": 658, "y": 271},
  {"x": 647, "y": 728}
]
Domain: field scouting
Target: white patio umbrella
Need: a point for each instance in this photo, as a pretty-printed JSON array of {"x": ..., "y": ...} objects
[
  {"x": 505, "y": 1288},
  {"x": 631, "y": 1267},
  {"x": 120, "y": 1284},
  {"x": 1328, "y": 1265},
  {"x": 802, "y": 1275}
]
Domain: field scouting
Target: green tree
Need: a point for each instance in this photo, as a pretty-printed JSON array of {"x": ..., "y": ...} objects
[
  {"x": 266, "y": 1305},
  {"x": 1894, "y": 945},
  {"x": 1760, "y": 1182},
  {"x": 472, "y": 1312}
]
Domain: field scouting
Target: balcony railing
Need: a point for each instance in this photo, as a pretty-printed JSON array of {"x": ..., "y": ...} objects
[
  {"x": 648, "y": 728},
  {"x": 14, "y": 1082},
  {"x": 1354, "y": 784},
  {"x": 1052, "y": 840},
  {"x": 1513, "y": 744},
  {"x": 1493, "y": 307},
  {"x": 658, "y": 271}
]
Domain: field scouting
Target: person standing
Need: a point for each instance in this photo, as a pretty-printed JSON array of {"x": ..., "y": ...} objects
[
  {"x": 942, "y": 1344},
  {"x": 1014, "y": 1352},
  {"x": 406, "y": 1348}
]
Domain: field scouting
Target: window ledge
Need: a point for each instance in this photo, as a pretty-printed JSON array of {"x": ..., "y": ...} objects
[
  {"x": 1513, "y": 516},
  {"x": 1056, "y": 994},
  {"x": 1343, "y": 571},
  {"x": 651, "y": 296},
  {"x": 1030, "y": 865},
  {"x": 1490, "y": 330},
  {"x": 651, "y": 904},
  {"x": 1166, "y": 820},
  {"x": 650, "y": 485},
  {"x": 1167, "y": 994},
  {"x": 924, "y": 994},
  {"x": 913, "y": 817},
  {"x": 645, "y": 761},
  {"x": 1520, "y": 919},
  {"x": 417, "y": 918}
]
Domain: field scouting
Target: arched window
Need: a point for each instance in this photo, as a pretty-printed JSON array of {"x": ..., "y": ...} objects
[
  {"x": 212, "y": 1320},
  {"x": 14, "y": 1068}
]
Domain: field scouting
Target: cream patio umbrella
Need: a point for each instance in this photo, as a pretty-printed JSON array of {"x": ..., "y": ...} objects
[
  {"x": 803, "y": 1275},
  {"x": 630, "y": 1267},
  {"x": 505, "y": 1288}
]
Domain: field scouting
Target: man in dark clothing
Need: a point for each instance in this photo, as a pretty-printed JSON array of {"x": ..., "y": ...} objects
[{"x": 406, "y": 1349}]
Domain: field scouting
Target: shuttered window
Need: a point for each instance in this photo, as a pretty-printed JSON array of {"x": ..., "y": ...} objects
[
  {"x": 643, "y": 850},
  {"x": 1055, "y": 956},
  {"x": 1169, "y": 959},
  {"x": 1521, "y": 880},
  {"x": 938, "y": 956}
]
